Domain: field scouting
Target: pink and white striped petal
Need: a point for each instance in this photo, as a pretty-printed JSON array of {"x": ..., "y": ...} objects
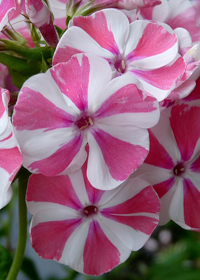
[
  {"x": 10, "y": 156},
  {"x": 109, "y": 28},
  {"x": 119, "y": 152},
  {"x": 82, "y": 83},
  {"x": 7, "y": 10},
  {"x": 57, "y": 123},
  {"x": 179, "y": 13},
  {"x": 152, "y": 82},
  {"x": 123, "y": 102},
  {"x": 144, "y": 48}
]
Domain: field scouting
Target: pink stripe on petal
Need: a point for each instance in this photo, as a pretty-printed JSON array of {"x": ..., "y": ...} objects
[
  {"x": 155, "y": 40},
  {"x": 96, "y": 26},
  {"x": 34, "y": 111},
  {"x": 60, "y": 160},
  {"x": 158, "y": 156},
  {"x": 49, "y": 238},
  {"x": 195, "y": 94},
  {"x": 163, "y": 77},
  {"x": 146, "y": 201},
  {"x": 73, "y": 80},
  {"x": 94, "y": 194},
  {"x": 5, "y": 139},
  {"x": 64, "y": 54},
  {"x": 57, "y": 189},
  {"x": 147, "y": 12},
  {"x": 138, "y": 223},
  {"x": 10, "y": 159},
  {"x": 195, "y": 166},
  {"x": 4, "y": 99},
  {"x": 184, "y": 122},
  {"x": 128, "y": 99},
  {"x": 163, "y": 187},
  {"x": 100, "y": 255},
  {"x": 191, "y": 205},
  {"x": 121, "y": 157},
  {"x": 187, "y": 20},
  {"x": 5, "y": 7}
]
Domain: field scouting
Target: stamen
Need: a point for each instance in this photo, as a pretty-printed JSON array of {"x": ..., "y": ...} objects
[
  {"x": 83, "y": 127},
  {"x": 123, "y": 65},
  {"x": 91, "y": 121}
]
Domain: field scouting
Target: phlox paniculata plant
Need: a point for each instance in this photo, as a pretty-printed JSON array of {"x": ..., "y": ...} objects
[{"x": 102, "y": 124}]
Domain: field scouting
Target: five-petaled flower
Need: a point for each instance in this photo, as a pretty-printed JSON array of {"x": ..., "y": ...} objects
[
  {"x": 173, "y": 165},
  {"x": 77, "y": 103},
  {"x": 143, "y": 48},
  {"x": 90, "y": 230}
]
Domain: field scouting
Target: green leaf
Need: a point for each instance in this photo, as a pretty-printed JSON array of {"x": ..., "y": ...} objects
[
  {"x": 28, "y": 53},
  {"x": 5, "y": 262},
  {"x": 17, "y": 78},
  {"x": 28, "y": 267},
  {"x": 23, "y": 66}
]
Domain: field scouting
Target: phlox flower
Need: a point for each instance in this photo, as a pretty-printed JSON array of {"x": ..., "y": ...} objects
[
  {"x": 173, "y": 165},
  {"x": 179, "y": 13},
  {"x": 10, "y": 156},
  {"x": 77, "y": 103},
  {"x": 145, "y": 49},
  {"x": 90, "y": 230}
]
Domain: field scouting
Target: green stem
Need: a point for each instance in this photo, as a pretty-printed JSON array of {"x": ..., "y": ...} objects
[{"x": 19, "y": 255}]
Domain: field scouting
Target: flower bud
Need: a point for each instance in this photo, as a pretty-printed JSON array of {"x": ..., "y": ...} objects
[{"x": 40, "y": 15}]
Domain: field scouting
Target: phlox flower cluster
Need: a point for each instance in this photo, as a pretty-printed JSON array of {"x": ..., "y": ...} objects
[{"x": 109, "y": 127}]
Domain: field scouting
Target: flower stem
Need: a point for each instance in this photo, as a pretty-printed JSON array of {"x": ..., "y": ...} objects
[{"x": 19, "y": 255}]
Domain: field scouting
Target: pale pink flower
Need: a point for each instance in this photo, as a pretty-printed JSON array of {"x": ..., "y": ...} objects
[
  {"x": 10, "y": 156},
  {"x": 76, "y": 103},
  {"x": 90, "y": 230},
  {"x": 145, "y": 49},
  {"x": 173, "y": 165}
]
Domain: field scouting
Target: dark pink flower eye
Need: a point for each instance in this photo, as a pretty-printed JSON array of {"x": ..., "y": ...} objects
[
  {"x": 90, "y": 210},
  {"x": 179, "y": 169},
  {"x": 84, "y": 122}
]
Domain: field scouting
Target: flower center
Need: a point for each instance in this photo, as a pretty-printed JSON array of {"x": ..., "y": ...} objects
[
  {"x": 179, "y": 169},
  {"x": 84, "y": 122},
  {"x": 90, "y": 210},
  {"x": 120, "y": 65}
]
